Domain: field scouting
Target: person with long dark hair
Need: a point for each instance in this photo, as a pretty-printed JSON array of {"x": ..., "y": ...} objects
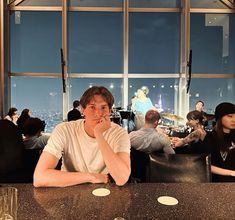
[
  {"x": 221, "y": 144},
  {"x": 193, "y": 140},
  {"x": 25, "y": 114},
  {"x": 12, "y": 115}
]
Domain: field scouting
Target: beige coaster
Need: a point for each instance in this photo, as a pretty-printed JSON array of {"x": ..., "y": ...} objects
[
  {"x": 101, "y": 192},
  {"x": 167, "y": 200}
]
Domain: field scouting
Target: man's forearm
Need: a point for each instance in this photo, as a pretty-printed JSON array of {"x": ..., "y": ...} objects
[
  {"x": 118, "y": 166},
  {"x": 57, "y": 178}
]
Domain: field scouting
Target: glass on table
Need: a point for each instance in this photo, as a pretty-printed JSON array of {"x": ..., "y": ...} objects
[{"x": 8, "y": 203}]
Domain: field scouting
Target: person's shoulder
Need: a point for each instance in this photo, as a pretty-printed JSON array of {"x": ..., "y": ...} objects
[
  {"x": 117, "y": 128},
  {"x": 69, "y": 124}
]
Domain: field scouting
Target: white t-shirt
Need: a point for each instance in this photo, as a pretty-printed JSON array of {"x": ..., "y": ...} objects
[{"x": 80, "y": 152}]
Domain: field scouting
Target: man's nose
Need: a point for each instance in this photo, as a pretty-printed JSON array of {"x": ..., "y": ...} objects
[{"x": 99, "y": 112}]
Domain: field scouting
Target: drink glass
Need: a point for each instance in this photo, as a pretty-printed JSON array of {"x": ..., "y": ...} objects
[{"x": 8, "y": 203}]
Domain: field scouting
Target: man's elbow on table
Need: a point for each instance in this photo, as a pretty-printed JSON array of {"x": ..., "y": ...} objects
[
  {"x": 122, "y": 180},
  {"x": 38, "y": 179}
]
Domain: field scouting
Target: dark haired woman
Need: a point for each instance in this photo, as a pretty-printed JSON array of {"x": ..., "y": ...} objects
[
  {"x": 221, "y": 144},
  {"x": 12, "y": 115},
  {"x": 25, "y": 114},
  {"x": 195, "y": 139}
]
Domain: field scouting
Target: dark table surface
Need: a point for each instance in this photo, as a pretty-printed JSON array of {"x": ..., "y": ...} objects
[{"x": 132, "y": 201}]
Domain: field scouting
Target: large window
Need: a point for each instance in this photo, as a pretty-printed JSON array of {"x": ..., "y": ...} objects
[
  {"x": 41, "y": 95},
  {"x": 79, "y": 85},
  {"x": 162, "y": 92},
  {"x": 218, "y": 90},
  {"x": 213, "y": 43},
  {"x": 35, "y": 42},
  {"x": 95, "y": 42},
  {"x": 123, "y": 49},
  {"x": 154, "y": 43}
]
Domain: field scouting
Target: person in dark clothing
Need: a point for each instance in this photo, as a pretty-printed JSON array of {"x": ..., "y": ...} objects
[
  {"x": 12, "y": 115},
  {"x": 208, "y": 119},
  {"x": 25, "y": 114},
  {"x": 221, "y": 144},
  {"x": 32, "y": 130},
  {"x": 194, "y": 140},
  {"x": 74, "y": 114}
]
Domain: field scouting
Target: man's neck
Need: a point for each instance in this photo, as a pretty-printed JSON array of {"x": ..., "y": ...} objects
[{"x": 146, "y": 125}]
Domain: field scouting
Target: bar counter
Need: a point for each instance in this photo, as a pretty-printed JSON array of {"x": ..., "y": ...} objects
[{"x": 132, "y": 201}]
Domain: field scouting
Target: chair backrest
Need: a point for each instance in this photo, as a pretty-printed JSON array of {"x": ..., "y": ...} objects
[
  {"x": 169, "y": 168},
  {"x": 11, "y": 147},
  {"x": 139, "y": 166},
  {"x": 11, "y": 152},
  {"x": 31, "y": 158}
]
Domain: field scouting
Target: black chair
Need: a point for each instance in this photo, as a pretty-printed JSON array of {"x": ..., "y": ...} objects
[
  {"x": 175, "y": 168},
  {"x": 31, "y": 158},
  {"x": 139, "y": 166},
  {"x": 11, "y": 152}
]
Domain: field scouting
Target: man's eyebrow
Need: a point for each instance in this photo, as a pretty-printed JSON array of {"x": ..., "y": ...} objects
[{"x": 96, "y": 104}]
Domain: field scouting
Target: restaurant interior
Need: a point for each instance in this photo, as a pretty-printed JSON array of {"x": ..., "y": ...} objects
[{"x": 178, "y": 52}]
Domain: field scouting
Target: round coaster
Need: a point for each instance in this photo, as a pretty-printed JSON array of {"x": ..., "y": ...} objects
[
  {"x": 101, "y": 192},
  {"x": 167, "y": 200}
]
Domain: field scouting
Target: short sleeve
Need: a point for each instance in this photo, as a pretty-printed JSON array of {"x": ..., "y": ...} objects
[{"x": 56, "y": 142}]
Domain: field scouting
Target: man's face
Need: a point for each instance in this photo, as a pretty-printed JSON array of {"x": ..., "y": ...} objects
[
  {"x": 199, "y": 107},
  {"x": 95, "y": 110}
]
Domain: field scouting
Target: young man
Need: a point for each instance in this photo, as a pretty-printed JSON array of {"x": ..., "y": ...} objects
[
  {"x": 90, "y": 148},
  {"x": 199, "y": 106},
  {"x": 149, "y": 139}
]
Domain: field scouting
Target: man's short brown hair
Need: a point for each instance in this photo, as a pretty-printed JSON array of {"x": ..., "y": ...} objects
[
  {"x": 152, "y": 116},
  {"x": 97, "y": 90}
]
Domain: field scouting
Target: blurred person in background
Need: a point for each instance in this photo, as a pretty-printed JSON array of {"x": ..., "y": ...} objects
[
  {"x": 149, "y": 139},
  {"x": 25, "y": 114},
  {"x": 12, "y": 115},
  {"x": 33, "y": 136},
  {"x": 75, "y": 113}
]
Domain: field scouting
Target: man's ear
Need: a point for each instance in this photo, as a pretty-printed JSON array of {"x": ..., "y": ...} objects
[
  {"x": 81, "y": 109},
  {"x": 156, "y": 124}
]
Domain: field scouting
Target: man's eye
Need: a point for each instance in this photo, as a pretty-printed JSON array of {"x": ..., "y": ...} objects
[{"x": 105, "y": 108}]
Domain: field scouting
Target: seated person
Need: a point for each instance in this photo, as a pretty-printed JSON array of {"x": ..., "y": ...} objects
[
  {"x": 25, "y": 114},
  {"x": 33, "y": 137},
  {"x": 221, "y": 144},
  {"x": 150, "y": 139},
  {"x": 12, "y": 115},
  {"x": 196, "y": 137},
  {"x": 75, "y": 113},
  {"x": 208, "y": 119},
  {"x": 90, "y": 148}
]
